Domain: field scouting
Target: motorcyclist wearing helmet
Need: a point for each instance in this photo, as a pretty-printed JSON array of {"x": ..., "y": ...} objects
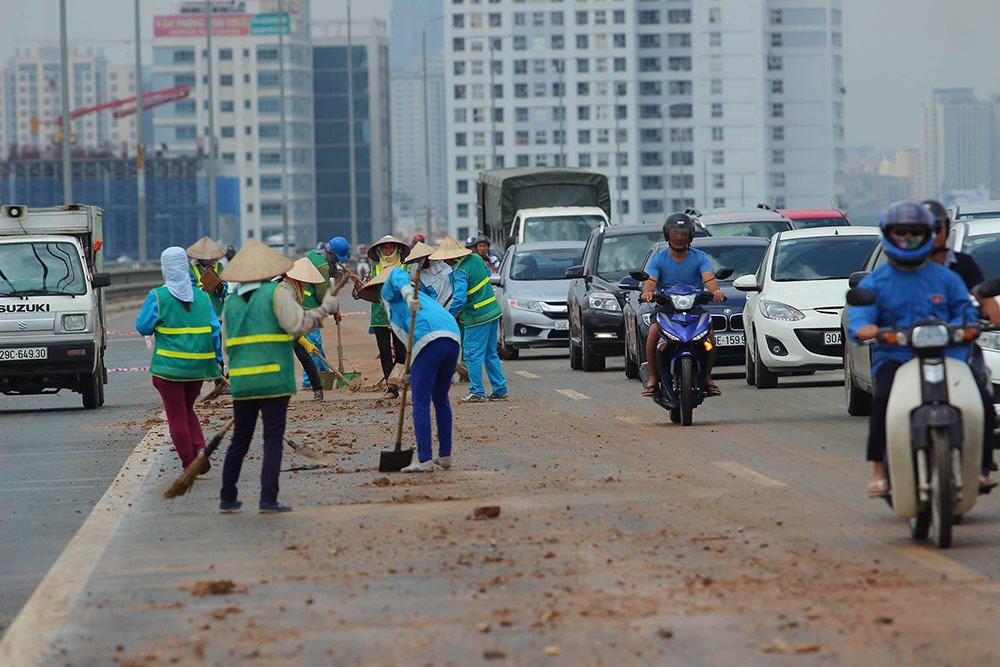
[
  {"x": 678, "y": 264},
  {"x": 907, "y": 288},
  {"x": 482, "y": 248}
]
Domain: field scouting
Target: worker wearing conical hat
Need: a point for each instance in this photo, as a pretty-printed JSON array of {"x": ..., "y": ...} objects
[
  {"x": 304, "y": 277},
  {"x": 262, "y": 320},
  {"x": 205, "y": 254},
  {"x": 475, "y": 306},
  {"x": 386, "y": 254}
]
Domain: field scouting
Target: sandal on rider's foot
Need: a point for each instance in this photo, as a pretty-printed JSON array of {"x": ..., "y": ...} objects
[
  {"x": 986, "y": 484},
  {"x": 649, "y": 390},
  {"x": 712, "y": 389},
  {"x": 878, "y": 488}
]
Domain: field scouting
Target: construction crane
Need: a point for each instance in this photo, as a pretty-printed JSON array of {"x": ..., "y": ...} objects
[{"x": 126, "y": 107}]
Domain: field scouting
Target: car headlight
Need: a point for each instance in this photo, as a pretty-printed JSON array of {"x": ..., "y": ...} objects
[
  {"x": 934, "y": 335},
  {"x": 74, "y": 322},
  {"x": 683, "y": 301},
  {"x": 604, "y": 301},
  {"x": 647, "y": 319},
  {"x": 989, "y": 340},
  {"x": 775, "y": 310},
  {"x": 525, "y": 304}
]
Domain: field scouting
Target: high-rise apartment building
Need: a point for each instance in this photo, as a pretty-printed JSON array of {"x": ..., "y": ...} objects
[
  {"x": 246, "y": 90},
  {"x": 959, "y": 142},
  {"x": 712, "y": 103},
  {"x": 369, "y": 67}
]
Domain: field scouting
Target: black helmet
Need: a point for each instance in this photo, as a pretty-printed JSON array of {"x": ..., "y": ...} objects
[
  {"x": 937, "y": 209},
  {"x": 678, "y": 221},
  {"x": 483, "y": 238}
]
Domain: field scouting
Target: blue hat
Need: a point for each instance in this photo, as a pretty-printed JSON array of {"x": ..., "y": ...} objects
[
  {"x": 909, "y": 214},
  {"x": 340, "y": 247}
]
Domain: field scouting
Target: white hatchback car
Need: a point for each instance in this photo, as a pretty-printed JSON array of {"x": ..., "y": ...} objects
[{"x": 792, "y": 313}]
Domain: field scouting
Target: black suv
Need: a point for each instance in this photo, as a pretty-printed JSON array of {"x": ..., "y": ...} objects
[{"x": 594, "y": 303}]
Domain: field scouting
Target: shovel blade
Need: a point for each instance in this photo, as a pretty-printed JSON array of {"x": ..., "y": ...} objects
[
  {"x": 307, "y": 452},
  {"x": 394, "y": 460}
]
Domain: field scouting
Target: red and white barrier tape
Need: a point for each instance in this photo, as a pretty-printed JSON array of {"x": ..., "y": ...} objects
[
  {"x": 137, "y": 369},
  {"x": 123, "y": 333}
]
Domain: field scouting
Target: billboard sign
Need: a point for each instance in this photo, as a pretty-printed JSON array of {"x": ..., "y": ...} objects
[{"x": 223, "y": 25}]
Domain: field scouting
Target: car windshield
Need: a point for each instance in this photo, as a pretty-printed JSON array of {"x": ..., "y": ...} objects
[
  {"x": 742, "y": 259},
  {"x": 985, "y": 249},
  {"x": 821, "y": 257},
  {"x": 40, "y": 268},
  {"x": 624, "y": 253},
  {"x": 808, "y": 223},
  {"x": 763, "y": 228},
  {"x": 560, "y": 228},
  {"x": 978, "y": 216},
  {"x": 548, "y": 264}
]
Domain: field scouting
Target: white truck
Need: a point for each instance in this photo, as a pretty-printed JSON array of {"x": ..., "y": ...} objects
[{"x": 52, "y": 325}]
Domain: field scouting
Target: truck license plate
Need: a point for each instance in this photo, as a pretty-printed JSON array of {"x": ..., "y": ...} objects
[
  {"x": 23, "y": 353},
  {"x": 562, "y": 325},
  {"x": 831, "y": 338},
  {"x": 730, "y": 339}
]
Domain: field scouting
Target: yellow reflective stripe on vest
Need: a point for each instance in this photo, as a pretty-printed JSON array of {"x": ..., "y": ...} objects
[
  {"x": 183, "y": 330},
  {"x": 186, "y": 355},
  {"x": 259, "y": 338},
  {"x": 255, "y": 370},
  {"x": 478, "y": 287},
  {"x": 483, "y": 303}
]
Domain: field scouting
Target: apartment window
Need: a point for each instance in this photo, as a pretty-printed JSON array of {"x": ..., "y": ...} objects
[
  {"x": 228, "y": 132},
  {"x": 250, "y": 208},
  {"x": 651, "y": 41},
  {"x": 650, "y": 16},
  {"x": 652, "y": 205},
  {"x": 461, "y": 115},
  {"x": 583, "y": 88},
  {"x": 776, "y": 39},
  {"x": 775, "y": 15},
  {"x": 778, "y": 179},
  {"x": 523, "y": 160},
  {"x": 459, "y": 92},
  {"x": 558, "y": 42},
  {"x": 677, "y": 40},
  {"x": 556, "y": 18},
  {"x": 603, "y": 135},
  {"x": 680, "y": 87},
  {"x": 268, "y": 183},
  {"x": 267, "y": 54},
  {"x": 229, "y": 157},
  {"x": 619, "y": 41},
  {"x": 681, "y": 111},
  {"x": 600, "y": 17},
  {"x": 715, "y": 63},
  {"x": 246, "y": 78},
  {"x": 716, "y": 109},
  {"x": 685, "y": 158},
  {"x": 180, "y": 56},
  {"x": 186, "y": 132},
  {"x": 679, "y": 181},
  {"x": 460, "y": 139},
  {"x": 718, "y": 202},
  {"x": 718, "y": 180},
  {"x": 779, "y": 201},
  {"x": 538, "y": 18},
  {"x": 777, "y": 86},
  {"x": 558, "y": 114},
  {"x": 649, "y": 64},
  {"x": 520, "y": 90},
  {"x": 520, "y": 67},
  {"x": 679, "y": 64},
  {"x": 225, "y": 54},
  {"x": 225, "y": 79},
  {"x": 650, "y": 88},
  {"x": 581, "y": 18},
  {"x": 558, "y": 137},
  {"x": 777, "y": 133},
  {"x": 462, "y": 210},
  {"x": 521, "y": 138},
  {"x": 498, "y": 115},
  {"x": 777, "y": 110},
  {"x": 582, "y": 42},
  {"x": 651, "y": 159},
  {"x": 679, "y": 16},
  {"x": 541, "y": 137},
  {"x": 718, "y": 157},
  {"x": 583, "y": 113},
  {"x": 715, "y": 39},
  {"x": 651, "y": 183},
  {"x": 458, "y": 44},
  {"x": 458, "y": 67},
  {"x": 462, "y": 186},
  {"x": 226, "y": 106},
  {"x": 778, "y": 156},
  {"x": 619, "y": 16},
  {"x": 774, "y": 63},
  {"x": 716, "y": 86},
  {"x": 603, "y": 160},
  {"x": 583, "y": 136},
  {"x": 583, "y": 159},
  {"x": 458, "y": 21},
  {"x": 519, "y": 18},
  {"x": 538, "y": 66},
  {"x": 461, "y": 163},
  {"x": 249, "y": 157},
  {"x": 520, "y": 43},
  {"x": 650, "y": 135},
  {"x": 495, "y": 20},
  {"x": 717, "y": 134}
]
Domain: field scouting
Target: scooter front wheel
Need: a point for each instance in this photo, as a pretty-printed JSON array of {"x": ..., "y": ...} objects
[
  {"x": 686, "y": 394},
  {"x": 920, "y": 525},
  {"x": 942, "y": 487}
]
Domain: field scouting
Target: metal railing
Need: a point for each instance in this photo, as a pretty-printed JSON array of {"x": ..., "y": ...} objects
[{"x": 131, "y": 279}]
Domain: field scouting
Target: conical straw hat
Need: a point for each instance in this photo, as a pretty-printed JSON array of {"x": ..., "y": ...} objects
[
  {"x": 305, "y": 271},
  {"x": 450, "y": 249},
  {"x": 372, "y": 290},
  {"x": 206, "y": 248},
  {"x": 373, "y": 251},
  {"x": 255, "y": 261},
  {"x": 419, "y": 252}
]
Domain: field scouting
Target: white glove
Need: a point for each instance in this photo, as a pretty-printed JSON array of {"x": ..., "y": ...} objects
[
  {"x": 414, "y": 303},
  {"x": 331, "y": 303}
]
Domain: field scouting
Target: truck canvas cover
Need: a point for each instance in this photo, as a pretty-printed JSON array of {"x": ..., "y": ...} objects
[{"x": 503, "y": 192}]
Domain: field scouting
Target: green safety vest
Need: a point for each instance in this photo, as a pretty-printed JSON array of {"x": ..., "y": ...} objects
[
  {"x": 481, "y": 304},
  {"x": 260, "y": 351},
  {"x": 216, "y": 297},
  {"x": 309, "y": 297},
  {"x": 183, "y": 347},
  {"x": 379, "y": 317}
]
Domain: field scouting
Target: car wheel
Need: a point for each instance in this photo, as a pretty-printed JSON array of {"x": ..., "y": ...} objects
[
  {"x": 575, "y": 356},
  {"x": 763, "y": 377},
  {"x": 631, "y": 367},
  {"x": 751, "y": 377},
  {"x": 859, "y": 402},
  {"x": 591, "y": 362},
  {"x": 506, "y": 353},
  {"x": 91, "y": 390}
]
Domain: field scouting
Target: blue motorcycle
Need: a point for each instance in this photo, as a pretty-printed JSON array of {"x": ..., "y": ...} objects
[{"x": 683, "y": 349}]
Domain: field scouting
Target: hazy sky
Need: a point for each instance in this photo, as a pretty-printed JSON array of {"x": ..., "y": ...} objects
[{"x": 895, "y": 51}]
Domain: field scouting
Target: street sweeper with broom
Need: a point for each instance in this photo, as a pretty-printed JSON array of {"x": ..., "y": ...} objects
[
  {"x": 263, "y": 319},
  {"x": 187, "y": 350},
  {"x": 433, "y": 353},
  {"x": 206, "y": 266}
]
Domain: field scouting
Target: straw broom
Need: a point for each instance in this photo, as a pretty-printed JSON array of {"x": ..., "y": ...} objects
[{"x": 183, "y": 484}]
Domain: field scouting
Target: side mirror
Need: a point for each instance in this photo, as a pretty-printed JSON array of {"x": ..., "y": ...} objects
[
  {"x": 628, "y": 283},
  {"x": 747, "y": 283},
  {"x": 989, "y": 288},
  {"x": 101, "y": 280},
  {"x": 495, "y": 280},
  {"x": 722, "y": 274},
  {"x": 575, "y": 271},
  {"x": 639, "y": 276},
  {"x": 858, "y": 296},
  {"x": 855, "y": 278}
]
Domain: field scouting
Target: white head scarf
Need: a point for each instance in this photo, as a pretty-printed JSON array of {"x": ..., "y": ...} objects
[{"x": 176, "y": 276}]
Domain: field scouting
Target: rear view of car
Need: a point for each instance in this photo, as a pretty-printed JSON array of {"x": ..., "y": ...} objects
[
  {"x": 762, "y": 221},
  {"x": 807, "y": 218}
]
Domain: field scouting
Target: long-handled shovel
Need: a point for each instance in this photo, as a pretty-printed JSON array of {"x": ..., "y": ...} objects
[
  {"x": 184, "y": 483},
  {"x": 354, "y": 383}
]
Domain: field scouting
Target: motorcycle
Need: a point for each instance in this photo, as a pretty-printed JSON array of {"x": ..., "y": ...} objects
[
  {"x": 683, "y": 349},
  {"x": 934, "y": 423}
]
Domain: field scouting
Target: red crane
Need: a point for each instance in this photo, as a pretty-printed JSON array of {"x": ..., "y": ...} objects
[{"x": 126, "y": 107}]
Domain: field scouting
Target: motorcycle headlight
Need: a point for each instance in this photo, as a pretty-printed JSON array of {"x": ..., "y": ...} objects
[
  {"x": 934, "y": 373},
  {"x": 683, "y": 301},
  {"x": 933, "y": 335},
  {"x": 604, "y": 301},
  {"x": 525, "y": 304},
  {"x": 775, "y": 310},
  {"x": 74, "y": 322},
  {"x": 647, "y": 319},
  {"x": 989, "y": 340}
]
